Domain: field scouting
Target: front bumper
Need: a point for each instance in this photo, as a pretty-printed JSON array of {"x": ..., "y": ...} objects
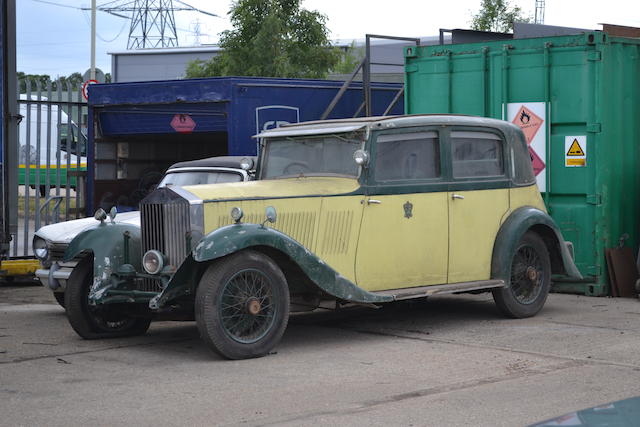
[{"x": 56, "y": 276}]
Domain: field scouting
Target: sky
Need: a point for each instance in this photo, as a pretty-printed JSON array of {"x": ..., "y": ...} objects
[{"x": 55, "y": 39}]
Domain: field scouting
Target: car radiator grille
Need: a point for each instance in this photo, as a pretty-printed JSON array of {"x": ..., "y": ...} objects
[{"x": 165, "y": 228}]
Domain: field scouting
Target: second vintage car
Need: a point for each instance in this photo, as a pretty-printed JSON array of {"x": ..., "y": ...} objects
[
  {"x": 359, "y": 211},
  {"x": 51, "y": 241}
]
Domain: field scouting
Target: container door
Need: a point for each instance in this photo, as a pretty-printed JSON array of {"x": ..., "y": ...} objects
[
  {"x": 404, "y": 233},
  {"x": 479, "y": 200}
]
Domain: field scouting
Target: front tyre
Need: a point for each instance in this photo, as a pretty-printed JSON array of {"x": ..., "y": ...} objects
[
  {"x": 96, "y": 322},
  {"x": 242, "y": 305},
  {"x": 530, "y": 279}
]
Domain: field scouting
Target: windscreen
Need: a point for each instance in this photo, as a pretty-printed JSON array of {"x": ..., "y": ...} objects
[
  {"x": 199, "y": 177},
  {"x": 318, "y": 155}
]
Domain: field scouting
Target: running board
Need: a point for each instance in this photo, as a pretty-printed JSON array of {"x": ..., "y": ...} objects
[{"x": 451, "y": 288}]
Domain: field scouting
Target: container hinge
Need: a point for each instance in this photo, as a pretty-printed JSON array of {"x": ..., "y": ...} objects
[
  {"x": 594, "y": 127},
  {"x": 410, "y": 68},
  {"x": 594, "y": 55},
  {"x": 594, "y": 270},
  {"x": 594, "y": 199}
]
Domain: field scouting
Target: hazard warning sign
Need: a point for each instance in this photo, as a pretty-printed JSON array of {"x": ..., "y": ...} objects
[
  {"x": 531, "y": 118},
  {"x": 575, "y": 149},
  {"x": 529, "y": 122}
]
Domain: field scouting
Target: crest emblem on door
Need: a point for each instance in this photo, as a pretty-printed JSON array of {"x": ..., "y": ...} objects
[{"x": 408, "y": 209}]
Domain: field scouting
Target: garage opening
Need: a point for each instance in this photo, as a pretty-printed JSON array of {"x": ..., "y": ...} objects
[{"x": 127, "y": 168}]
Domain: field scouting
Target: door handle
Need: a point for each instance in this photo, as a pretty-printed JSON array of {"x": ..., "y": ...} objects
[
  {"x": 373, "y": 202},
  {"x": 457, "y": 196}
]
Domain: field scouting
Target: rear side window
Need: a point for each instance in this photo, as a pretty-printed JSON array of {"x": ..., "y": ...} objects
[
  {"x": 476, "y": 154},
  {"x": 407, "y": 156}
]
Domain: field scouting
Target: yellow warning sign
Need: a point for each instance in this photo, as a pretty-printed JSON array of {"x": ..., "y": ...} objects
[
  {"x": 576, "y": 162},
  {"x": 576, "y": 150}
]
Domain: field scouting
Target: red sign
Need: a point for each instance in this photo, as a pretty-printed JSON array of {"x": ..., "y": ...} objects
[
  {"x": 85, "y": 88},
  {"x": 538, "y": 164},
  {"x": 529, "y": 122},
  {"x": 183, "y": 123}
]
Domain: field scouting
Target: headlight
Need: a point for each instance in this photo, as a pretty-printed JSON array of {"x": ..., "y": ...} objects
[
  {"x": 40, "y": 248},
  {"x": 153, "y": 262},
  {"x": 236, "y": 214},
  {"x": 246, "y": 163}
]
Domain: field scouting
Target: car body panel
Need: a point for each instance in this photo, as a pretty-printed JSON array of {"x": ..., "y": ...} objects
[
  {"x": 236, "y": 237},
  {"x": 514, "y": 227},
  {"x": 411, "y": 232},
  {"x": 111, "y": 245},
  {"x": 306, "y": 186},
  {"x": 474, "y": 222},
  {"x": 64, "y": 232}
]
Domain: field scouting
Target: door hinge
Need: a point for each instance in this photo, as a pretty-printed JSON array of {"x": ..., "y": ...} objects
[
  {"x": 594, "y": 127},
  {"x": 594, "y": 270},
  {"x": 594, "y": 199},
  {"x": 594, "y": 55}
]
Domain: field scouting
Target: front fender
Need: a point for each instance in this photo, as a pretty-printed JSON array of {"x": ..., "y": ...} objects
[
  {"x": 512, "y": 230},
  {"x": 112, "y": 245},
  {"x": 233, "y": 238}
]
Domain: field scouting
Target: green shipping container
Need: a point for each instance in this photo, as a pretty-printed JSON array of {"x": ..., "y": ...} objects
[{"x": 577, "y": 99}]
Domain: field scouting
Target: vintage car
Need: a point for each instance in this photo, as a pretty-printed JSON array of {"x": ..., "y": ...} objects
[
  {"x": 50, "y": 241},
  {"x": 358, "y": 211}
]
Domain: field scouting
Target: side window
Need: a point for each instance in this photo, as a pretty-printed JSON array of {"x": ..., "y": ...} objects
[
  {"x": 407, "y": 156},
  {"x": 476, "y": 154}
]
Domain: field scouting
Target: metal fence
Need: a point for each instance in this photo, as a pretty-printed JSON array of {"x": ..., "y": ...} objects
[{"x": 52, "y": 160}]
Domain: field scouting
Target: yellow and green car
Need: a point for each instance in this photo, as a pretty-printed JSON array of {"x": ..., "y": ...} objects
[{"x": 358, "y": 211}]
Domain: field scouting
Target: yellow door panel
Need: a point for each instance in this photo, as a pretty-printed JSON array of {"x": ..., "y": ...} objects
[
  {"x": 474, "y": 221},
  {"x": 403, "y": 241}
]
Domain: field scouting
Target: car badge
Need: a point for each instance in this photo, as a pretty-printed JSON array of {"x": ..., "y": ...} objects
[{"x": 408, "y": 210}]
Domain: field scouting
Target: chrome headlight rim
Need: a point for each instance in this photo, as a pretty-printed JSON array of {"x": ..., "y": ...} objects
[
  {"x": 40, "y": 248},
  {"x": 153, "y": 261}
]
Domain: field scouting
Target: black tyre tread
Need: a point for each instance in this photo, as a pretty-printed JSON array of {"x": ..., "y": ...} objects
[
  {"x": 208, "y": 324},
  {"x": 504, "y": 298},
  {"x": 77, "y": 311},
  {"x": 59, "y": 296}
]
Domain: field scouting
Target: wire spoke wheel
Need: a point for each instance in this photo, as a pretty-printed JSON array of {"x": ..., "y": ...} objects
[
  {"x": 526, "y": 275},
  {"x": 529, "y": 279},
  {"x": 246, "y": 308},
  {"x": 242, "y": 305}
]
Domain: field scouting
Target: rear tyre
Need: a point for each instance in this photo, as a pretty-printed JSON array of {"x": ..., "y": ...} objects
[
  {"x": 530, "y": 279},
  {"x": 96, "y": 322},
  {"x": 242, "y": 305}
]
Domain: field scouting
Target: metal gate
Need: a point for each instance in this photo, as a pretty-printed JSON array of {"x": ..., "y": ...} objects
[{"x": 52, "y": 160}]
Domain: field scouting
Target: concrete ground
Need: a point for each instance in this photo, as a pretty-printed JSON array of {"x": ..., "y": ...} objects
[{"x": 447, "y": 361}]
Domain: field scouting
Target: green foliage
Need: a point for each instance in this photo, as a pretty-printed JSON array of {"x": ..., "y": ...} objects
[
  {"x": 497, "y": 16},
  {"x": 349, "y": 59},
  {"x": 272, "y": 38}
]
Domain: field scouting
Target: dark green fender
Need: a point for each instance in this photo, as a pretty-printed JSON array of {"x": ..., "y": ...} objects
[
  {"x": 233, "y": 238},
  {"x": 107, "y": 242},
  {"x": 512, "y": 230}
]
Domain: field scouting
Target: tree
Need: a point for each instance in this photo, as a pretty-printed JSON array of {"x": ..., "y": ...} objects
[
  {"x": 497, "y": 16},
  {"x": 272, "y": 38},
  {"x": 349, "y": 59}
]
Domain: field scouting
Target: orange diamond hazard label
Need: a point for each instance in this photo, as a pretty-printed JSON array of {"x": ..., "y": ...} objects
[
  {"x": 575, "y": 149},
  {"x": 529, "y": 122}
]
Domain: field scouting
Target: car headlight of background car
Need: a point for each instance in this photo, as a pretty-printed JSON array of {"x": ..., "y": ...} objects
[{"x": 40, "y": 249}]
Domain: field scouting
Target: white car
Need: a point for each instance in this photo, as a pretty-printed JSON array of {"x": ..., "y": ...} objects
[{"x": 50, "y": 241}]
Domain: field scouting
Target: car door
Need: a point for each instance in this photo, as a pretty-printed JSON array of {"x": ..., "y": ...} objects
[
  {"x": 478, "y": 200},
  {"x": 403, "y": 240}
]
